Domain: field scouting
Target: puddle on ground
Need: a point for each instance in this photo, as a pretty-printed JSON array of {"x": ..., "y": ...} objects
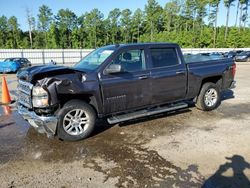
[
  {"x": 20, "y": 141},
  {"x": 114, "y": 151},
  {"x": 13, "y": 130}
]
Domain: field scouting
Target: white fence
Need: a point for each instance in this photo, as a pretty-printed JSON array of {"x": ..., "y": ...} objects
[
  {"x": 71, "y": 56},
  {"x": 60, "y": 56}
]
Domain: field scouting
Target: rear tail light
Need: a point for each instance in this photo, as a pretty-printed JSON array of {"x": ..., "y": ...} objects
[{"x": 234, "y": 69}]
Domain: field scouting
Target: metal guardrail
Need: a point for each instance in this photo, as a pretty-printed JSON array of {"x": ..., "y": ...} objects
[
  {"x": 71, "y": 56},
  {"x": 207, "y": 50}
]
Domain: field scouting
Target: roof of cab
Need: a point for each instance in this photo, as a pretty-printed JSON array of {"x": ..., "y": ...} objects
[{"x": 149, "y": 44}]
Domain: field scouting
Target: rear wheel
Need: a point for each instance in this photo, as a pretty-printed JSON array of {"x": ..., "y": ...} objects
[
  {"x": 209, "y": 97},
  {"x": 76, "y": 120}
]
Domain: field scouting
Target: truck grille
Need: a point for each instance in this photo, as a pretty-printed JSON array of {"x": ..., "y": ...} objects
[{"x": 24, "y": 93}]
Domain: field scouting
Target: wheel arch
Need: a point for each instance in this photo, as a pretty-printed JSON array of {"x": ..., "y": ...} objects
[
  {"x": 88, "y": 98},
  {"x": 213, "y": 79},
  {"x": 217, "y": 79}
]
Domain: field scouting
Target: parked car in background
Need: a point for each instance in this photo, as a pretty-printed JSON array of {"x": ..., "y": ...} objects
[
  {"x": 216, "y": 55},
  {"x": 202, "y": 57},
  {"x": 14, "y": 64},
  {"x": 243, "y": 56},
  {"x": 232, "y": 54}
]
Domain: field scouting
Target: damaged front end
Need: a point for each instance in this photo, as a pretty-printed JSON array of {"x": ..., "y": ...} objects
[
  {"x": 38, "y": 94},
  {"x": 43, "y": 124}
]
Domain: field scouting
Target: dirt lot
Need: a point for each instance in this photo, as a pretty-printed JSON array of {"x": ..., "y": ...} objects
[{"x": 189, "y": 148}]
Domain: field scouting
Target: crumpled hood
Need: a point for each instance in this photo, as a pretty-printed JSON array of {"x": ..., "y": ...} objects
[{"x": 39, "y": 72}]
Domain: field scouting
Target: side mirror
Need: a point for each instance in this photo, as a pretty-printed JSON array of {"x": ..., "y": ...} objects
[{"x": 113, "y": 68}]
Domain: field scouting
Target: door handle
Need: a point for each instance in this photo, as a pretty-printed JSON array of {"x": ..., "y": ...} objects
[
  {"x": 143, "y": 77},
  {"x": 179, "y": 72}
]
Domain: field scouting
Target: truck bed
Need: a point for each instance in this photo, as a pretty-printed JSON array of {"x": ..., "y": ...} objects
[{"x": 199, "y": 70}]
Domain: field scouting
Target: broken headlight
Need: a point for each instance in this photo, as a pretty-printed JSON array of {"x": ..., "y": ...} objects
[{"x": 40, "y": 97}]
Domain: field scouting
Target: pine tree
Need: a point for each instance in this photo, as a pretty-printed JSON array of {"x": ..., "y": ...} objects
[{"x": 44, "y": 21}]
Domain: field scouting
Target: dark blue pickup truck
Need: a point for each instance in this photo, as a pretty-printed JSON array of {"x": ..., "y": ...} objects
[{"x": 119, "y": 83}]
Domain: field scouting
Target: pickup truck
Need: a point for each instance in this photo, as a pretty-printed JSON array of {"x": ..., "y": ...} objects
[{"x": 118, "y": 83}]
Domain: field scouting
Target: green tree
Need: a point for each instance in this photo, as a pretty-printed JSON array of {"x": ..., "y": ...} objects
[
  {"x": 137, "y": 25},
  {"x": 82, "y": 33},
  {"x": 25, "y": 43},
  {"x": 181, "y": 21},
  {"x": 44, "y": 20},
  {"x": 66, "y": 21},
  {"x": 153, "y": 18},
  {"x": 200, "y": 16},
  {"x": 190, "y": 13},
  {"x": 171, "y": 10},
  {"x": 3, "y": 31},
  {"x": 14, "y": 37},
  {"x": 53, "y": 37},
  {"x": 38, "y": 40},
  {"x": 107, "y": 34},
  {"x": 234, "y": 38},
  {"x": 213, "y": 17},
  {"x": 93, "y": 25},
  {"x": 113, "y": 18},
  {"x": 126, "y": 25},
  {"x": 228, "y": 4}
]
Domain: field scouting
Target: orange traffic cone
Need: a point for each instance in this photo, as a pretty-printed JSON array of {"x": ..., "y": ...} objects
[
  {"x": 5, "y": 92},
  {"x": 7, "y": 110}
]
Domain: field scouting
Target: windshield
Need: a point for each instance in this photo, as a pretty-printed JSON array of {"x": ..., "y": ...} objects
[
  {"x": 8, "y": 59},
  {"x": 11, "y": 59},
  {"x": 95, "y": 58}
]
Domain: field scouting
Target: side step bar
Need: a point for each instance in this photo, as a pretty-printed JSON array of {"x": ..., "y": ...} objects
[{"x": 146, "y": 112}]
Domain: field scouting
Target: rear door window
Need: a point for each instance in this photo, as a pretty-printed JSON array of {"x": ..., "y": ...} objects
[{"x": 164, "y": 57}]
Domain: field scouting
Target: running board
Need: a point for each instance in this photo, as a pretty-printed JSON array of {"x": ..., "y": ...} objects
[{"x": 146, "y": 112}]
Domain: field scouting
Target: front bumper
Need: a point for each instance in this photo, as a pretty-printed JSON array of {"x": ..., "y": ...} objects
[
  {"x": 6, "y": 70},
  {"x": 43, "y": 124}
]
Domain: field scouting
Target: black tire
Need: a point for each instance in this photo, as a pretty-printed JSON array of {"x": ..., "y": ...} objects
[
  {"x": 201, "y": 99},
  {"x": 67, "y": 109}
]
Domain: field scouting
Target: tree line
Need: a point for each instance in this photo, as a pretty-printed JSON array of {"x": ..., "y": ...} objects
[{"x": 191, "y": 23}]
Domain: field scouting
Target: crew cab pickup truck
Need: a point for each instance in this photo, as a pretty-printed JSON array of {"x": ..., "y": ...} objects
[{"x": 118, "y": 83}]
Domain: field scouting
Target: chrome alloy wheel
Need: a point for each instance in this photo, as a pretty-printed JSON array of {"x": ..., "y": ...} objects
[
  {"x": 75, "y": 122},
  {"x": 211, "y": 97}
]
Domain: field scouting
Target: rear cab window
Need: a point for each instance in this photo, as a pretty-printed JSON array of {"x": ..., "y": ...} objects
[{"x": 164, "y": 57}]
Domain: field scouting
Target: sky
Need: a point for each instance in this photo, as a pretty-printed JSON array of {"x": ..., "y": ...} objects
[{"x": 17, "y": 8}]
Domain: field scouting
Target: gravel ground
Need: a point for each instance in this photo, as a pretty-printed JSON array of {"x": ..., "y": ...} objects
[{"x": 188, "y": 148}]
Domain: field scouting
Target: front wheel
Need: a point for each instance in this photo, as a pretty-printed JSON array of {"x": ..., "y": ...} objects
[
  {"x": 209, "y": 97},
  {"x": 76, "y": 120}
]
